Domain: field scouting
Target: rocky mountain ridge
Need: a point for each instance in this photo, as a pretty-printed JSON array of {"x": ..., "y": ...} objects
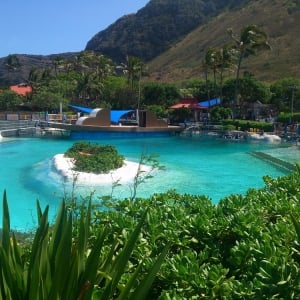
[
  {"x": 171, "y": 36},
  {"x": 156, "y": 27}
]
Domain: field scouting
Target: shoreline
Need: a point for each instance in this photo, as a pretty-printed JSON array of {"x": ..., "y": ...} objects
[{"x": 64, "y": 166}]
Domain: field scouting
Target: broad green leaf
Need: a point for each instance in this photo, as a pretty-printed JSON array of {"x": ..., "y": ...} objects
[{"x": 143, "y": 288}]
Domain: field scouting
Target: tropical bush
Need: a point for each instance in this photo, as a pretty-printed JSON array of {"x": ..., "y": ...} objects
[
  {"x": 94, "y": 158},
  {"x": 245, "y": 247},
  {"x": 219, "y": 113}
]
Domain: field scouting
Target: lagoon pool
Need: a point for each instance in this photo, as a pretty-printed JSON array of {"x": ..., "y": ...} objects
[{"x": 193, "y": 165}]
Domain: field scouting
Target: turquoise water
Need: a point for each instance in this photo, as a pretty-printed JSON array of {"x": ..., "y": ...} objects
[{"x": 194, "y": 165}]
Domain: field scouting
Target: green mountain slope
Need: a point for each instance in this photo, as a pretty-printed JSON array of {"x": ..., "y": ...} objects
[{"x": 279, "y": 19}]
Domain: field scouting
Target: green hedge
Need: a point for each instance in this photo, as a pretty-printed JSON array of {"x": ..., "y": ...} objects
[
  {"x": 246, "y": 125},
  {"x": 287, "y": 118}
]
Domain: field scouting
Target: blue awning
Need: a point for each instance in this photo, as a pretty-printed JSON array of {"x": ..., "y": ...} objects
[
  {"x": 81, "y": 108},
  {"x": 115, "y": 115},
  {"x": 210, "y": 103}
]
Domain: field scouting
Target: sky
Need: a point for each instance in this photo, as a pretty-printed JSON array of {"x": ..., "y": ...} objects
[{"x": 57, "y": 26}]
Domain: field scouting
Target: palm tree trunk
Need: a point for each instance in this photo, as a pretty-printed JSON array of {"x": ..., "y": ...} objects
[{"x": 236, "y": 86}]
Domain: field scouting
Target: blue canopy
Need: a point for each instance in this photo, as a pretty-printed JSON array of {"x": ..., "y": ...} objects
[
  {"x": 115, "y": 115},
  {"x": 211, "y": 102},
  {"x": 81, "y": 108}
]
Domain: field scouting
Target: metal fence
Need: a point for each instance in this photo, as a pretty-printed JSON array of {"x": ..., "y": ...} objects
[{"x": 36, "y": 116}]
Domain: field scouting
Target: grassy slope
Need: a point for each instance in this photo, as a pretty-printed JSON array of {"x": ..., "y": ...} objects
[{"x": 183, "y": 60}]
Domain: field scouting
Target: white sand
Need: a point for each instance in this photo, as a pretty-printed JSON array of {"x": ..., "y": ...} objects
[{"x": 124, "y": 174}]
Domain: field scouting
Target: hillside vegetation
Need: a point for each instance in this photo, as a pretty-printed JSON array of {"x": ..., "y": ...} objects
[
  {"x": 280, "y": 21},
  {"x": 27, "y": 63}
]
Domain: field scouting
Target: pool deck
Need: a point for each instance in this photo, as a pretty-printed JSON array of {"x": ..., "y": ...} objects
[{"x": 114, "y": 128}]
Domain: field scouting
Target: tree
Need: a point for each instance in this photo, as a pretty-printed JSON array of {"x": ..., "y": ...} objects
[
  {"x": 198, "y": 89},
  {"x": 252, "y": 90},
  {"x": 91, "y": 69},
  {"x": 33, "y": 79},
  {"x": 218, "y": 60},
  {"x": 211, "y": 61},
  {"x": 226, "y": 55},
  {"x": 9, "y": 100},
  {"x": 286, "y": 94},
  {"x": 251, "y": 40},
  {"x": 46, "y": 100},
  {"x": 133, "y": 69},
  {"x": 164, "y": 95},
  {"x": 116, "y": 93},
  {"x": 219, "y": 113},
  {"x": 64, "y": 84}
]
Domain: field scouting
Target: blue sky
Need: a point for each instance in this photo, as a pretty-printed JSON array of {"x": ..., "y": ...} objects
[{"x": 57, "y": 26}]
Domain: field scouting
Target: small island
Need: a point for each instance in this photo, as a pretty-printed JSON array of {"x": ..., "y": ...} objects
[{"x": 93, "y": 164}]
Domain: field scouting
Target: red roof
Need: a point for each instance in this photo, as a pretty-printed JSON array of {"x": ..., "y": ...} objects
[
  {"x": 190, "y": 103},
  {"x": 21, "y": 89}
]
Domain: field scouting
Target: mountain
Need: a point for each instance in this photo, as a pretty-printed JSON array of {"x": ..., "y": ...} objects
[
  {"x": 156, "y": 27},
  {"x": 172, "y": 36},
  {"x": 279, "y": 19},
  {"x": 10, "y": 75}
]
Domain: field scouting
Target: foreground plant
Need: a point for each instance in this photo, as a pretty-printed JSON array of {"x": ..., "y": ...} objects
[
  {"x": 61, "y": 263},
  {"x": 246, "y": 247},
  {"x": 141, "y": 175}
]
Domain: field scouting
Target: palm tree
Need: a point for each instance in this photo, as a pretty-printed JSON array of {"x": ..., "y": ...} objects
[
  {"x": 218, "y": 59},
  {"x": 103, "y": 67},
  {"x": 212, "y": 62},
  {"x": 206, "y": 69},
  {"x": 225, "y": 63},
  {"x": 251, "y": 40},
  {"x": 133, "y": 69},
  {"x": 34, "y": 79},
  {"x": 92, "y": 69}
]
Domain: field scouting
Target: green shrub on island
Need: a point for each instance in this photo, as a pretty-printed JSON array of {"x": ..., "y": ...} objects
[{"x": 94, "y": 158}]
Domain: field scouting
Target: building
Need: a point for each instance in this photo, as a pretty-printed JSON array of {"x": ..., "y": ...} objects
[{"x": 21, "y": 89}]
